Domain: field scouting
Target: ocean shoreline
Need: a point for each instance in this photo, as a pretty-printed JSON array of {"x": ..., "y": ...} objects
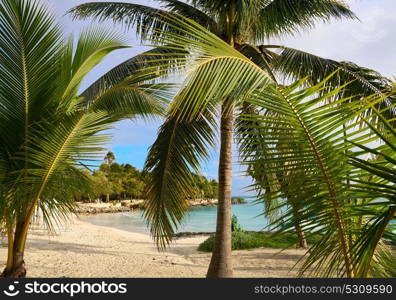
[
  {"x": 135, "y": 204},
  {"x": 127, "y": 206}
]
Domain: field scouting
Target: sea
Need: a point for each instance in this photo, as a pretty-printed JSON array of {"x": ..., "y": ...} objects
[{"x": 197, "y": 219}]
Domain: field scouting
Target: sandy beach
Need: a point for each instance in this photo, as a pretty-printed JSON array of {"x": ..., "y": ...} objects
[{"x": 81, "y": 249}]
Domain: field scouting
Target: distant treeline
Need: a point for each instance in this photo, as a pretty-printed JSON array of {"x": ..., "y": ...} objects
[{"x": 113, "y": 181}]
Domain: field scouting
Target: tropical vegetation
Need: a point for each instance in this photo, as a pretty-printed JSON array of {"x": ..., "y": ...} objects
[
  {"x": 114, "y": 181},
  {"x": 49, "y": 129},
  {"x": 312, "y": 132},
  {"x": 315, "y": 139},
  {"x": 242, "y": 239},
  {"x": 317, "y": 136}
]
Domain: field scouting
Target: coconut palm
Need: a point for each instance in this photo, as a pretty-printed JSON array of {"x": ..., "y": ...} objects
[
  {"x": 293, "y": 129},
  {"x": 312, "y": 133},
  {"x": 47, "y": 127},
  {"x": 337, "y": 198},
  {"x": 244, "y": 25}
]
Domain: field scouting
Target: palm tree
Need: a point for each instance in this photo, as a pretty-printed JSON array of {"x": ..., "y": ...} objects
[
  {"x": 244, "y": 25},
  {"x": 374, "y": 183},
  {"x": 110, "y": 158},
  {"x": 337, "y": 200},
  {"x": 48, "y": 129}
]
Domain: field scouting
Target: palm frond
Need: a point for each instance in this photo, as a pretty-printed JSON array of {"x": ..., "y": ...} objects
[
  {"x": 215, "y": 71},
  {"x": 305, "y": 134},
  {"x": 295, "y": 64},
  {"x": 149, "y": 63},
  {"x": 193, "y": 13},
  {"x": 131, "y": 97},
  {"x": 177, "y": 152},
  {"x": 261, "y": 58},
  {"x": 278, "y": 17},
  {"x": 76, "y": 138},
  {"x": 145, "y": 19},
  {"x": 247, "y": 132},
  {"x": 374, "y": 180},
  {"x": 131, "y": 87},
  {"x": 46, "y": 127},
  {"x": 57, "y": 200},
  {"x": 92, "y": 46},
  {"x": 29, "y": 40}
]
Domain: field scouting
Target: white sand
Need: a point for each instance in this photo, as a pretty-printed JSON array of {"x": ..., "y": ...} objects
[{"x": 86, "y": 250}]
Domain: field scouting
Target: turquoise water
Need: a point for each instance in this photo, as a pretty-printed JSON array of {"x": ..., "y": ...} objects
[{"x": 198, "y": 219}]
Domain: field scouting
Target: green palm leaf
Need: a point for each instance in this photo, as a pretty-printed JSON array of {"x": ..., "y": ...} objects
[
  {"x": 47, "y": 128},
  {"x": 247, "y": 135},
  {"x": 374, "y": 181},
  {"x": 177, "y": 152},
  {"x": 215, "y": 71},
  {"x": 92, "y": 46},
  {"x": 193, "y": 13},
  {"x": 306, "y": 135},
  {"x": 144, "y": 18}
]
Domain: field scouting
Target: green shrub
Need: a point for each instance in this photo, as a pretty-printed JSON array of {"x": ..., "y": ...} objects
[
  {"x": 235, "y": 224},
  {"x": 240, "y": 240},
  {"x": 249, "y": 240}
]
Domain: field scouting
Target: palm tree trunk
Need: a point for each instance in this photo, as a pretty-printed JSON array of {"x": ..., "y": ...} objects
[
  {"x": 15, "y": 267},
  {"x": 302, "y": 241},
  {"x": 220, "y": 264}
]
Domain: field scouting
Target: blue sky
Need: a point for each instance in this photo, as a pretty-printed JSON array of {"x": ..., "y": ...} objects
[{"x": 369, "y": 42}]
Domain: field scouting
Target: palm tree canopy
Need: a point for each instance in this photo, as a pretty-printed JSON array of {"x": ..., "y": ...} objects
[
  {"x": 255, "y": 20},
  {"x": 293, "y": 129}
]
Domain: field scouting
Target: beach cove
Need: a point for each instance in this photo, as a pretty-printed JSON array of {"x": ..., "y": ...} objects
[
  {"x": 199, "y": 218},
  {"x": 81, "y": 249}
]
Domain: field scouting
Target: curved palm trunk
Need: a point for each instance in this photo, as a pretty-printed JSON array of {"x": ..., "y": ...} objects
[
  {"x": 221, "y": 261},
  {"x": 220, "y": 264},
  {"x": 302, "y": 241}
]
